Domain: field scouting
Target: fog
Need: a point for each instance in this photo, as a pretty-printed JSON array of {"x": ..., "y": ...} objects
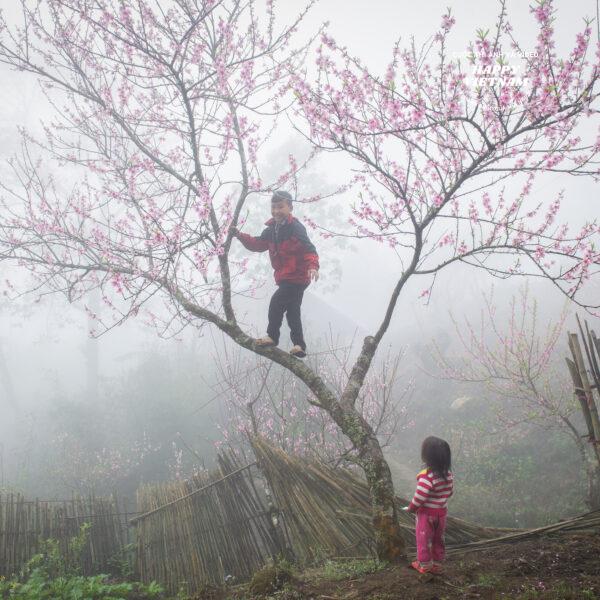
[{"x": 130, "y": 388}]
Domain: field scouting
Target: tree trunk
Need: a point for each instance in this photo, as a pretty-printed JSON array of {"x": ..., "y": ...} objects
[
  {"x": 388, "y": 535},
  {"x": 389, "y": 542}
]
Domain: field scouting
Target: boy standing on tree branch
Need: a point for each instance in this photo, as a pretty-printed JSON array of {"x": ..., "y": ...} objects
[{"x": 295, "y": 262}]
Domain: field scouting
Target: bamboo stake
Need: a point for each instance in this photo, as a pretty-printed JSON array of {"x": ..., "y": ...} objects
[
  {"x": 581, "y": 397},
  {"x": 576, "y": 349},
  {"x": 593, "y": 360}
]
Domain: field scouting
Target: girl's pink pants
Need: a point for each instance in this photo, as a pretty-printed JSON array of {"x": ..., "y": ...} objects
[{"x": 429, "y": 529}]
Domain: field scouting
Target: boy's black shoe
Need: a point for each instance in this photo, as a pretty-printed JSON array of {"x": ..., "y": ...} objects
[{"x": 297, "y": 352}]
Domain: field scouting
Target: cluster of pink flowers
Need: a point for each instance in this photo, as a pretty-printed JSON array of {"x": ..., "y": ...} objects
[
  {"x": 453, "y": 135},
  {"x": 166, "y": 115}
]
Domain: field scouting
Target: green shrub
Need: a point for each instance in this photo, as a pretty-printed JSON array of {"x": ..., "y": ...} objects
[
  {"x": 121, "y": 564},
  {"x": 39, "y": 586},
  {"x": 53, "y": 574}
]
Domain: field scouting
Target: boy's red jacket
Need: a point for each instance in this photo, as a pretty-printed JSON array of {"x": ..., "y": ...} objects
[{"x": 292, "y": 254}]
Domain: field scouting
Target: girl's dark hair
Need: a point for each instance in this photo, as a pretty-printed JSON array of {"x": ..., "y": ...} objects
[{"x": 435, "y": 453}]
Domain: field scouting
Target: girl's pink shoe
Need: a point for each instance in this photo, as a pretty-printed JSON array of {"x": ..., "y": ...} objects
[
  {"x": 437, "y": 569},
  {"x": 417, "y": 566}
]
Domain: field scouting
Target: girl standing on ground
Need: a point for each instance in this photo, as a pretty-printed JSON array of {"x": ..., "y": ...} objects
[{"x": 430, "y": 503}]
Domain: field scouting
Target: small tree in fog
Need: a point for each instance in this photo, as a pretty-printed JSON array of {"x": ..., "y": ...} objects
[
  {"x": 517, "y": 360},
  {"x": 166, "y": 112},
  {"x": 258, "y": 399}
]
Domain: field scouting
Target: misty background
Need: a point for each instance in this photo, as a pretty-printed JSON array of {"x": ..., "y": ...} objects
[{"x": 80, "y": 414}]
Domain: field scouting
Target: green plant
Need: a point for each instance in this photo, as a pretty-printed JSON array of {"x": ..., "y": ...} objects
[
  {"x": 55, "y": 561},
  {"x": 319, "y": 555},
  {"x": 343, "y": 569},
  {"x": 38, "y": 586},
  {"x": 121, "y": 564},
  {"x": 488, "y": 580},
  {"x": 55, "y": 574}
]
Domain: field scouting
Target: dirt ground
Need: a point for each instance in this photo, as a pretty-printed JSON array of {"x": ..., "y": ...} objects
[{"x": 560, "y": 567}]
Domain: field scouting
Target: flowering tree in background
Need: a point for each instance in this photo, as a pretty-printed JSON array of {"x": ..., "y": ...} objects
[
  {"x": 516, "y": 359},
  {"x": 87, "y": 471},
  {"x": 258, "y": 400},
  {"x": 166, "y": 112}
]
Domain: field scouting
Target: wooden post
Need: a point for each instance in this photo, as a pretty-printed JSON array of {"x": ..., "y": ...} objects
[
  {"x": 580, "y": 395},
  {"x": 578, "y": 357}
]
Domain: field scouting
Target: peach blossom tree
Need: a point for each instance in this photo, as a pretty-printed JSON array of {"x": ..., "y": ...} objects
[{"x": 162, "y": 112}]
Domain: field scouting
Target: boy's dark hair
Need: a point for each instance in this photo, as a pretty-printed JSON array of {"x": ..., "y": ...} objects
[
  {"x": 282, "y": 196},
  {"x": 435, "y": 453}
]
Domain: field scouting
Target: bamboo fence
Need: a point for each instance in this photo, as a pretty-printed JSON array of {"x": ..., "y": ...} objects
[
  {"x": 25, "y": 524},
  {"x": 210, "y": 529},
  {"x": 223, "y": 526},
  {"x": 328, "y": 511},
  {"x": 586, "y": 379}
]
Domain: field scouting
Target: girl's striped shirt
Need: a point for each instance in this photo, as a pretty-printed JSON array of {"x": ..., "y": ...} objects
[{"x": 432, "y": 491}]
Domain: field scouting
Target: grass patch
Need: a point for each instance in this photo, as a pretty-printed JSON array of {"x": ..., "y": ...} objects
[
  {"x": 560, "y": 591},
  {"x": 347, "y": 569}
]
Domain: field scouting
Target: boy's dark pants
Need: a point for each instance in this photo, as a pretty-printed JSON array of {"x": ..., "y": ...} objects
[{"x": 287, "y": 299}]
